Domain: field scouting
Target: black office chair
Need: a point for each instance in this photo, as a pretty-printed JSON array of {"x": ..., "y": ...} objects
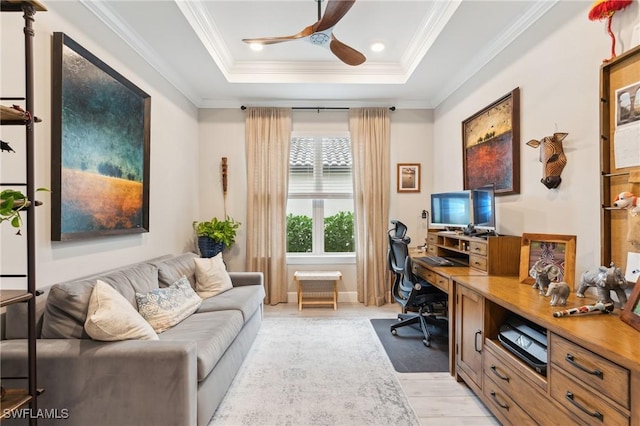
[{"x": 411, "y": 292}]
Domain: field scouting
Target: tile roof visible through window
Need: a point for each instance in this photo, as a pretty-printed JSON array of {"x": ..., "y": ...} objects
[{"x": 336, "y": 153}]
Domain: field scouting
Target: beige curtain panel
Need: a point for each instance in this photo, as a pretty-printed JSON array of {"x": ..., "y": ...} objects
[
  {"x": 370, "y": 135},
  {"x": 267, "y": 139}
]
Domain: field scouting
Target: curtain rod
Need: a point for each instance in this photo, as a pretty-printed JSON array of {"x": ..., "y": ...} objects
[{"x": 392, "y": 108}]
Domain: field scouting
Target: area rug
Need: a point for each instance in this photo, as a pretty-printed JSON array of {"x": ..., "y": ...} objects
[
  {"x": 315, "y": 371},
  {"x": 407, "y": 352}
]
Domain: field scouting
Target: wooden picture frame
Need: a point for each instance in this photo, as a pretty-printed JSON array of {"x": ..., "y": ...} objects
[
  {"x": 100, "y": 147},
  {"x": 631, "y": 312},
  {"x": 491, "y": 146},
  {"x": 550, "y": 248},
  {"x": 409, "y": 177}
]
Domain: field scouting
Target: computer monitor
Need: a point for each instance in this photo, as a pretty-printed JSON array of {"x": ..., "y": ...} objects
[
  {"x": 451, "y": 209},
  {"x": 484, "y": 208}
]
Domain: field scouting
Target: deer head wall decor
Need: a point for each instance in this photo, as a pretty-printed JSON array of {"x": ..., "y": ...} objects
[{"x": 552, "y": 157}]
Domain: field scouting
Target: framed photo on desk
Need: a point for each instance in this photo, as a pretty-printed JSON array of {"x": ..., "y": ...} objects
[
  {"x": 547, "y": 249},
  {"x": 631, "y": 311}
]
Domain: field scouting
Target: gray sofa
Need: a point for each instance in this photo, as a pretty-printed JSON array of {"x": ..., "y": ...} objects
[{"x": 178, "y": 380}]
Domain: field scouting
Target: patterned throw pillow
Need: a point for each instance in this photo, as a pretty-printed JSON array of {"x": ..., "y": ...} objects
[
  {"x": 111, "y": 317},
  {"x": 211, "y": 276},
  {"x": 165, "y": 307}
]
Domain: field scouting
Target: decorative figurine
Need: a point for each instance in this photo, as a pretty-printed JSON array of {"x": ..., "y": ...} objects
[
  {"x": 559, "y": 293},
  {"x": 552, "y": 157},
  {"x": 543, "y": 274},
  {"x": 627, "y": 201},
  {"x": 605, "y": 280}
]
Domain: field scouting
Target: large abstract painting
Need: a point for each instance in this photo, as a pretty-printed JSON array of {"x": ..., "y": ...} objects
[
  {"x": 491, "y": 146},
  {"x": 100, "y": 147}
]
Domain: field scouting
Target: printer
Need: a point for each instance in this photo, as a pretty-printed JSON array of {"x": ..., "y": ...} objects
[{"x": 525, "y": 340}]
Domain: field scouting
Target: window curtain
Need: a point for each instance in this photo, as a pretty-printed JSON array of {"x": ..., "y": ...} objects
[
  {"x": 267, "y": 139},
  {"x": 370, "y": 135}
]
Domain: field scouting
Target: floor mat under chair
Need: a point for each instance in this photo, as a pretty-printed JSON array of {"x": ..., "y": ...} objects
[{"x": 407, "y": 352}]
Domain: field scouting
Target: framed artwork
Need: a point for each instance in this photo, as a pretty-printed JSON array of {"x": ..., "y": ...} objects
[
  {"x": 631, "y": 311},
  {"x": 408, "y": 177},
  {"x": 99, "y": 147},
  {"x": 491, "y": 146},
  {"x": 559, "y": 250}
]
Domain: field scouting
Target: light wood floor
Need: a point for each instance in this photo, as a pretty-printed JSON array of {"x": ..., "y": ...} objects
[{"x": 437, "y": 398}]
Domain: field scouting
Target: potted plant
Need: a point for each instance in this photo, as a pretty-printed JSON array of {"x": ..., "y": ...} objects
[
  {"x": 11, "y": 203},
  {"x": 214, "y": 235}
]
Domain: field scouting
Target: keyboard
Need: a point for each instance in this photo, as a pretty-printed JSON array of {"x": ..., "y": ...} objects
[{"x": 437, "y": 261}]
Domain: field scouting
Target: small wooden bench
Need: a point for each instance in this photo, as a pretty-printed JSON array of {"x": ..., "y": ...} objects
[{"x": 333, "y": 276}]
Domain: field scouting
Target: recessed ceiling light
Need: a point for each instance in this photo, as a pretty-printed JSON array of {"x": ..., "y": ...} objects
[
  {"x": 256, "y": 46},
  {"x": 377, "y": 47}
]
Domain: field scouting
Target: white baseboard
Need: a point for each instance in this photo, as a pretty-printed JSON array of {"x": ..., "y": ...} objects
[{"x": 343, "y": 297}]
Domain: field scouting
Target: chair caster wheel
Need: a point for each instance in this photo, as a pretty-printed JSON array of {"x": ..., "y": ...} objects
[
  {"x": 394, "y": 331},
  {"x": 426, "y": 342}
]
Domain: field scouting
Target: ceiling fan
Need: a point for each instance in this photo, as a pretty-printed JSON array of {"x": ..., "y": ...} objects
[{"x": 321, "y": 33}]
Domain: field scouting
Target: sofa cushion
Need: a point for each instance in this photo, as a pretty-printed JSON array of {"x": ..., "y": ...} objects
[
  {"x": 213, "y": 332},
  {"x": 112, "y": 318},
  {"x": 246, "y": 299},
  {"x": 172, "y": 269},
  {"x": 67, "y": 304},
  {"x": 166, "y": 307},
  {"x": 212, "y": 277}
]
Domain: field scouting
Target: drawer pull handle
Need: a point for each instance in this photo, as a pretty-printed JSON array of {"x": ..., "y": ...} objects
[
  {"x": 595, "y": 414},
  {"x": 573, "y": 362},
  {"x": 475, "y": 340},
  {"x": 502, "y": 404},
  {"x": 497, "y": 373}
]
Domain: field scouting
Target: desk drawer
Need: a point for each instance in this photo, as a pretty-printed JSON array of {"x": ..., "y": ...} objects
[
  {"x": 510, "y": 378},
  {"x": 583, "y": 402},
  {"x": 432, "y": 239},
  {"x": 478, "y": 248},
  {"x": 602, "y": 375},
  {"x": 424, "y": 273},
  {"x": 433, "y": 250},
  {"x": 478, "y": 262},
  {"x": 441, "y": 282},
  {"x": 502, "y": 404}
]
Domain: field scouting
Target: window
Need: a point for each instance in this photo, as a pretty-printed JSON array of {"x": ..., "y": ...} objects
[{"x": 320, "y": 201}]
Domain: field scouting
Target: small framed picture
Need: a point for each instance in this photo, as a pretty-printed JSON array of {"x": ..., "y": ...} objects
[
  {"x": 548, "y": 249},
  {"x": 631, "y": 311},
  {"x": 408, "y": 177}
]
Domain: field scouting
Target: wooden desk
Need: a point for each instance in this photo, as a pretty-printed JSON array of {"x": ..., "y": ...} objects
[
  {"x": 593, "y": 366},
  {"x": 441, "y": 277}
]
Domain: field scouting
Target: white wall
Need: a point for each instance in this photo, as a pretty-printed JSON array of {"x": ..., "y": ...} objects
[
  {"x": 222, "y": 134},
  {"x": 174, "y": 151},
  {"x": 556, "y": 65}
]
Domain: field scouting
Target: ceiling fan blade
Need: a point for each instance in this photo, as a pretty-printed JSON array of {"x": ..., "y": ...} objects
[
  {"x": 333, "y": 13},
  {"x": 273, "y": 40},
  {"x": 346, "y": 54}
]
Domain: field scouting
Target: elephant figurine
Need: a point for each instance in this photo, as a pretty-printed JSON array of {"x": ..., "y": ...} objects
[
  {"x": 605, "y": 280},
  {"x": 543, "y": 274},
  {"x": 559, "y": 293}
]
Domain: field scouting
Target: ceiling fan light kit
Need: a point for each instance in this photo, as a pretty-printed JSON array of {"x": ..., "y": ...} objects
[{"x": 321, "y": 33}]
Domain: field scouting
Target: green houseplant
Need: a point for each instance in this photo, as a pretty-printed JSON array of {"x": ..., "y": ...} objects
[
  {"x": 11, "y": 203},
  {"x": 215, "y": 234}
]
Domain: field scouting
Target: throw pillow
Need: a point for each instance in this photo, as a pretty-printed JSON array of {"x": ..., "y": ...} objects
[
  {"x": 111, "y": 317},
  {"x": 211, "y": 276},
  {"x": 166, "y": 307}
]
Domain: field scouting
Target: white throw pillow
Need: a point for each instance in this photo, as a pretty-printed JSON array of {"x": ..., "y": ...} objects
[
  {"x": 211, "y": 276},
  {"x": 166, "y": 307},
  {"x": 111, "y": 317}
]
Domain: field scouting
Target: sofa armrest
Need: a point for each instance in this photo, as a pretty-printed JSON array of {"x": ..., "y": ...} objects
[
  {"x": 108, "y": 383},
  {"x": 246, "y": 278}
]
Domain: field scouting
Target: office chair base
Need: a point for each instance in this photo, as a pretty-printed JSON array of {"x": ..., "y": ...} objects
[{"x": 418, "y": 318}]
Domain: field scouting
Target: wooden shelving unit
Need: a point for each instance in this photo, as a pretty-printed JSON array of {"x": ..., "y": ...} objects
[
  {"x": 16, "y": 398},
  {"x": 615, "y": 75}
]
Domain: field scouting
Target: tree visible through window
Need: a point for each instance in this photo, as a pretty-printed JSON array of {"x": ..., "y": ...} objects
[{"x": 320, "y": 200}]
